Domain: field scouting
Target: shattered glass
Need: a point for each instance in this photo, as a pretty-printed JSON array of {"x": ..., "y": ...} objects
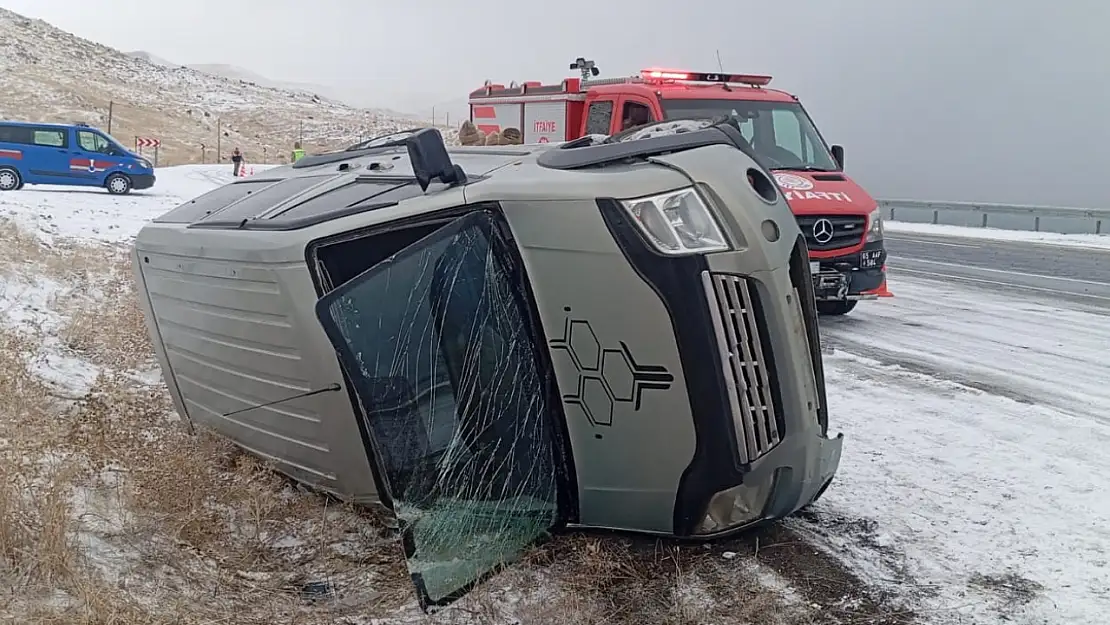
[{"x": 437, "y": 342}]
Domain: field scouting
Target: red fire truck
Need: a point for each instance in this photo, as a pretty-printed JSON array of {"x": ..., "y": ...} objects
[{"x": 841, "y": 222}]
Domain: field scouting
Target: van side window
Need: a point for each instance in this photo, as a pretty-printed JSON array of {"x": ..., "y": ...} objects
[
  {"x": 92, "y": 142},
  {"x": 15, "y": 134},
  {"x": 51, "y": 138},
  {"x": 598, "y": 118}
]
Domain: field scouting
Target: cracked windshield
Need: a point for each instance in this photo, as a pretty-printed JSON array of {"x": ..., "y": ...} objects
[{"x": 442, "y": 359}]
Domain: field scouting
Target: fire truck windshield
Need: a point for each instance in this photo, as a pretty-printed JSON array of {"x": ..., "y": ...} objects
[{"x": 779, "y": 132}]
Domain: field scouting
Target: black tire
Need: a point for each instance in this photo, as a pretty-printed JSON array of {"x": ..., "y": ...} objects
[
  {"x": 836, "y": 308},
  {"x": 118, "y": 184},
  {"x": 10, "y": 180}
]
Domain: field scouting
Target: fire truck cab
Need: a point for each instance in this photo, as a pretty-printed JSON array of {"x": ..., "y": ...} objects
[{"x": 841, "y": 222}]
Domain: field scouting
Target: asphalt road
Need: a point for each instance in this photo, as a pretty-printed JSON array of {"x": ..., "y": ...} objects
[{"x": 1041, "y": 271}]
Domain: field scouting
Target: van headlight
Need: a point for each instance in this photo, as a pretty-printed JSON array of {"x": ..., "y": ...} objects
[
  {"x": 145, "y": 164},
  {"x": 875, "y": 231},
  {"x": 677, "y": 223}
]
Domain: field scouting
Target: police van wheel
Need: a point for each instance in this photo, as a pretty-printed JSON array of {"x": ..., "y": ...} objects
[
  {"x": 10, "y": 179},
  {"x": 842, "y": 307},
  {"x": 118, "y": 184}
]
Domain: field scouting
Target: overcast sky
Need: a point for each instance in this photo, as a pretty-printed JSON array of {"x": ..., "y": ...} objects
[{"x": 988, "y": 100}]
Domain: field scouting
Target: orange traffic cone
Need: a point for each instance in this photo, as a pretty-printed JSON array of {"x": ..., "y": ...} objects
[{"x": 883, "y": 291}]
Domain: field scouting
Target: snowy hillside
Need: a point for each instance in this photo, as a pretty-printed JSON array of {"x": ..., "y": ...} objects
[
  {"x": 47, "y": 74},
  {"x": 339, "y": 94},
  {"x": 157, "y": 60}
]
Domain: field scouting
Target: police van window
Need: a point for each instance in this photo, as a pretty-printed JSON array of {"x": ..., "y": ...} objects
[
  {"x": 598, "y": 118},
  {"x": 92, "y": 142},
  {"x": 634, "y": 114},
  {"x": 51, "y": 138},
  {"x": 15, "y": 134}
]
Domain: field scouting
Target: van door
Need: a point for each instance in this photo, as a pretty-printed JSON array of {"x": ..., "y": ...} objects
[
  {"x": 449, "y": 367},
  {"x": 49, "y": 159},
  {"x": 93, "y": 157}
]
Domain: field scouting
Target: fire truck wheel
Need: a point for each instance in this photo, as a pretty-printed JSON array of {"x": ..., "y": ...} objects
[
  {"x": 836, "y": 308},
  {"x": 10, "y": 179},
  {"x": 118, "y": 184}
]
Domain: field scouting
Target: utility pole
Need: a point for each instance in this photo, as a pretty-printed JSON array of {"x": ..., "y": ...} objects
[
  {"x": 111, "y": 105},
  {"x": 300, "y": 132},
  {"x": 219, "y": 135}
]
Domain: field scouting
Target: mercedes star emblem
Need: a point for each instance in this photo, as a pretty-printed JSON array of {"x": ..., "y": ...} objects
[{"x": 822, "y": 230}]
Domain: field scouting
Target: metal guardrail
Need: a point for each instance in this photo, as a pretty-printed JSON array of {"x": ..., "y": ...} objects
[{"x": 1057, "y": 219}]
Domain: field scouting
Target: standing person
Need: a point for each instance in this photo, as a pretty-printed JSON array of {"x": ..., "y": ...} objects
[
  {"x": 236, "y": 162},
  {"x": 298, "y": 153}
]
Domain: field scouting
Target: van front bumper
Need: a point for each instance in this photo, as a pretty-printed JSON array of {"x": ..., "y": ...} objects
[
  {"x": 142, "y": 181},
  {"x": 766, "y": 331},
  {"x": 787, "y": 479},
  {"x": 852, "y": 276}
]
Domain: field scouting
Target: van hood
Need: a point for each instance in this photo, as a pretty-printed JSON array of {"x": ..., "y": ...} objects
[{"x": 813, "y": 192}]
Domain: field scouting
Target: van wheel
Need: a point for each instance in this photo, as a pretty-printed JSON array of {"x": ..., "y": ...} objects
[
  {"x": 10, "y": 179},
  {"x": 836, "y": 307},
  {"x": 118, "y": 184}
]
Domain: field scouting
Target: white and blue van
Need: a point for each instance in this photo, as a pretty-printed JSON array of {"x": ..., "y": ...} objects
[{"x": 68, "y": 154}]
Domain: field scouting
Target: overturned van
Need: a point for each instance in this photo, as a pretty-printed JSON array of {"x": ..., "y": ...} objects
[{"x": 499, "y": 341}]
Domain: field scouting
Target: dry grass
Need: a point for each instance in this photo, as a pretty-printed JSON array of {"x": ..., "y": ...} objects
[{"x": 112, "y": 513}]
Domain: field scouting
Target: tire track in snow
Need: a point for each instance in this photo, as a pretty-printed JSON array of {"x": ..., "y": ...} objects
[{"x": 1018, "y": 348}]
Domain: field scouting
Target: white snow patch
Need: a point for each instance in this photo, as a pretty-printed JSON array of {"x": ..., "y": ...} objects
[
  {"x": 1099, "y": 241},
  {"x": 25, "y": 301},
  {"x": 94, "y": 215},
  {"x": 941, "y": 483}
]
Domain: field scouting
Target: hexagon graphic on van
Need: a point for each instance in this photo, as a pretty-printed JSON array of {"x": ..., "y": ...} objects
[{"x": 606, "y": 375}]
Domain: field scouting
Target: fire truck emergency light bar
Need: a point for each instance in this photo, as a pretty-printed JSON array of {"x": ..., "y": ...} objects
[{"x": 754, "y": 80}]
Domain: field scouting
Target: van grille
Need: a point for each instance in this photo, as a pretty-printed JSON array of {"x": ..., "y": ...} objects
[
  {"x": 734, "y": 309},
  {"x": 847, "y": 231}
]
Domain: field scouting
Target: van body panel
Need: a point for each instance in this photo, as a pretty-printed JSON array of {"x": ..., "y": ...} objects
[{"x": 354, "y": 345}]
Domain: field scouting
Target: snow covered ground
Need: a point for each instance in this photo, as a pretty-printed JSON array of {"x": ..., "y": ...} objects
[
  {"x": 975, "y": 469},
  {"x": 91, "y": 214},
  {"x": 977, "y": 427},
  {"x": 1099, "y": 241}
]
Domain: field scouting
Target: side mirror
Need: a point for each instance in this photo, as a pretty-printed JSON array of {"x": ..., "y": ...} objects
[
  {"x": 838, "y": 155},
  {"x": 430, "y": 160}
]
